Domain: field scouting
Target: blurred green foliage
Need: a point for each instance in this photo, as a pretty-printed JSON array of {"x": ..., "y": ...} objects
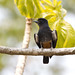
[
  {"x": 12, "y": 28},
  {"x": 13, "y": 25},
  {"x": 15, "y": 30},
  {"x": 29, "y": 8}
]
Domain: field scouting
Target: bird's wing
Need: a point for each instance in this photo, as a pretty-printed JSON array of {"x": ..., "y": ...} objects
[
  {"x": 36, "y": 38},
  {"x": 54, "y": 38}
]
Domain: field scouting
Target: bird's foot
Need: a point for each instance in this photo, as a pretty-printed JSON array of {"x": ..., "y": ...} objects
[
  {"x": 51, "y": 48},
  {"x": 42, "y": 49}
]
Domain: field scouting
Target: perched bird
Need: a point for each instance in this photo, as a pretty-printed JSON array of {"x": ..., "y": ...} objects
[{"x": 45, "y": 38}]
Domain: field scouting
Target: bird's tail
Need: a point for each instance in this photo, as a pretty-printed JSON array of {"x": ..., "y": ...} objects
[{"x": 45, "y": 59}]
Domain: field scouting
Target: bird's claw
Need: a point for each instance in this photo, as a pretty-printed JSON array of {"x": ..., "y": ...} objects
[
  {"x": 42, "y": 49},
  {"x": 51, "y": 48}
]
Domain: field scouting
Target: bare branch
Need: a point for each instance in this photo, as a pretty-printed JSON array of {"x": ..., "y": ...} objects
[
  {"x": 22, "y": 59},
  {"x": 37, "y": 52}
]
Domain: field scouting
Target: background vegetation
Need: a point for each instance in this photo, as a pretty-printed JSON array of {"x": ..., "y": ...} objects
[{"x": 11, "y": 34}]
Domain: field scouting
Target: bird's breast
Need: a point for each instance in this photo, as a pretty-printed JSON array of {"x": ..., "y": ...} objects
[{"x": 46, "y": 44}]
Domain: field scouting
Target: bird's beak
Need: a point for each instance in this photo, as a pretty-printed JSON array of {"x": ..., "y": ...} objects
[{"x": 35, "y": 21}]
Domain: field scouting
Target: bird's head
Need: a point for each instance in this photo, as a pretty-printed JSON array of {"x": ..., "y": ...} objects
[{"x": 41, "y": 22}]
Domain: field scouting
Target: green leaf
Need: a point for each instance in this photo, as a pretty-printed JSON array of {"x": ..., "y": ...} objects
[
  {"x": 38, "y": 8},
  {"x": 16, "y": 2},
  {"x": 70, "y": 38},
  {"x": 58, "y": 3},
  {"x": 55, "y": 2},
  {"x": 65, "y": 34},
  {"x": 21, "y": 6},
  {"x": 30, "y": 7},
  {"x": 50, "y": 16},
  {"x": 47, "y": 4}
]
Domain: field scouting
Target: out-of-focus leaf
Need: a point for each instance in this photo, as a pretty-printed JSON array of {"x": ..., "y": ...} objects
[
  {"x": 48, "y": 1},
  {"x": 70, "y": 38},
  {"x": 65, "y": 34},
  {"x": 50, "y": 15},
  {"x": 59, "y": 2},
  {"x": 52, "y": 19},
  {"x": 16, "y": 2},
  {"x": 22, "y": 8},
  {"x": 63, "y": 12},
  {"x": 30, "y": 7},
  {"x": 47, "y": 4},
  {"x": 38, "y": 8},
  {"x": 55, "y": 2},
  {"x": 23, "y": 11}
]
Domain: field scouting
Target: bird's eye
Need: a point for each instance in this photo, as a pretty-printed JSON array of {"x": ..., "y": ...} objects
[{"x": 40, "y": 20}]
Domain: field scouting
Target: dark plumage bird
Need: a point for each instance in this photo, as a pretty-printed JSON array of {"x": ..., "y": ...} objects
[{"x": 45, "y": 38}]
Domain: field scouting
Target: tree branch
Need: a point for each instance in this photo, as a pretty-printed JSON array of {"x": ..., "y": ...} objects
[
  {"x": 37, "y": 52},
  {"x": 22, "y": 59}
]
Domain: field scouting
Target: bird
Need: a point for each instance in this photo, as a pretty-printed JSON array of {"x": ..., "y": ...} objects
[{"x": 45, "y": 38}]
